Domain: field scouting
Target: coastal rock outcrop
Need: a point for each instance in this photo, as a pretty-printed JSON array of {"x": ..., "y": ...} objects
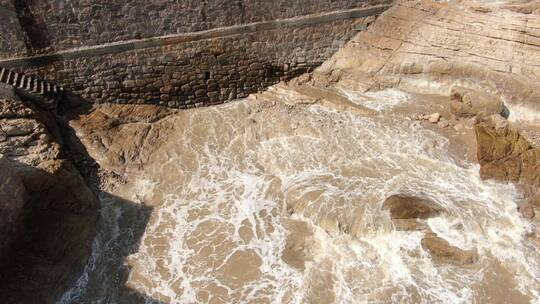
[
  {"x": 48, "y": 212},
  {"x": 504, "y": 154},
  {"x": 430, "y": 47}
]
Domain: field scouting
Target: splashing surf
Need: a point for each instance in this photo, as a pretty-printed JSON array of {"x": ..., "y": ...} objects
[{"x": 229, "y": 179}]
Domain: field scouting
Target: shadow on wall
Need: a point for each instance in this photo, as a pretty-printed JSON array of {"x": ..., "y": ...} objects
[
  {"x": 34, "y": 27},
  {"x": 58, "y": 235}
]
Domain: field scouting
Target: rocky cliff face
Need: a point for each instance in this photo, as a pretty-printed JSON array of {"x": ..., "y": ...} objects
[
  {"x": 48, "y": 212},
  {"x": 482, "y": 54},
  {"x": 429, "y": 46}
]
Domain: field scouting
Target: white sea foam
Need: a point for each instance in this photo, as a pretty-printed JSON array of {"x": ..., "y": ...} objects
[
  {"x": 223, "y": 180},
  {"x": 378, "y": 100},
  {"x": 523, "y": 113}
]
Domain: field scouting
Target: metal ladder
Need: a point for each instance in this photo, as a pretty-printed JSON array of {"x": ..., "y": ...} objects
[{"x": 32, "y": 86}]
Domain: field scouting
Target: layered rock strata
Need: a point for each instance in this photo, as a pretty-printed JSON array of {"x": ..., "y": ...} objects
[{"x": 482, "y": 55}]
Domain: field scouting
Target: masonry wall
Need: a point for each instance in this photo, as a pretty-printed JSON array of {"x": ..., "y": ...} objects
[
  {"x": 12, "y": 37},
  {"x": 201, "y": 72},
  {"x": 76, "y": 23},
  {"x": 213, "y": 51}
]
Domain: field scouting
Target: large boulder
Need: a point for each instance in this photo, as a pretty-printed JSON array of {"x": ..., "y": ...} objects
[
  {"x": 403, "y": 206},
  {"x": 468, "y": 103},
  {"x": 506, "y": 155},
  {"x": 49, "y": 215}
]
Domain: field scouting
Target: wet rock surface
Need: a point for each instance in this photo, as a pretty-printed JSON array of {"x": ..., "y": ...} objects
[
  {"x": 410, "y": 207},
  {"x": 442, "y": 251},
  {"x": 504, "y": 154}
]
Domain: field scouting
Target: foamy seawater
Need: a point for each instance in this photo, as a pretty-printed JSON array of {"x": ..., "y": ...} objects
[
  {"x": 262, "y": 202},
  {"x": 378, "y": 100}
]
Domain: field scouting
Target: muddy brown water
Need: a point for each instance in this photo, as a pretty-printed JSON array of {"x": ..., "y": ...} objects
[{"x": 277, "y": 199}]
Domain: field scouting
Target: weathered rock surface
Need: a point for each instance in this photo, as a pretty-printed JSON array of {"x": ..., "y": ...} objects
[
  {"x": 119, "y": 136},
  {"x": 468, "y": 103},
  {"x": 506, "y": 155},
  {"x": 432, "y": 46},
  {"x": 48, "y": 213}
]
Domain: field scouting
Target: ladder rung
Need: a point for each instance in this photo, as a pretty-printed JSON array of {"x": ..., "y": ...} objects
[
  {"x": 10, "y": 77},
  {"x": 16, "y": 79},
  {"x": 28, "y": 84},
  {"x": 21, "y": 80}
]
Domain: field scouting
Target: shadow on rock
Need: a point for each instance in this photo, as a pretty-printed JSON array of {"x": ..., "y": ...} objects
[
  {"x": 56, "y": 221},
  {"x": 121, "y": 226},
  {"x": 51, "y": 237},
  {"x": 53, "y": 223}
]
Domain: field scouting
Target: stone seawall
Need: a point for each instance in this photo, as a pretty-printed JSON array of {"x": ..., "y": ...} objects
[
  {"x": 59, "y": 25},
  {"x": 202, "y": 68}
]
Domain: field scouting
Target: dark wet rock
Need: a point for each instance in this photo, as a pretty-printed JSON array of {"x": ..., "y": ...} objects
[
  {"x": 411, "y": 207},
  {"x": 442, "y": 252}
]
